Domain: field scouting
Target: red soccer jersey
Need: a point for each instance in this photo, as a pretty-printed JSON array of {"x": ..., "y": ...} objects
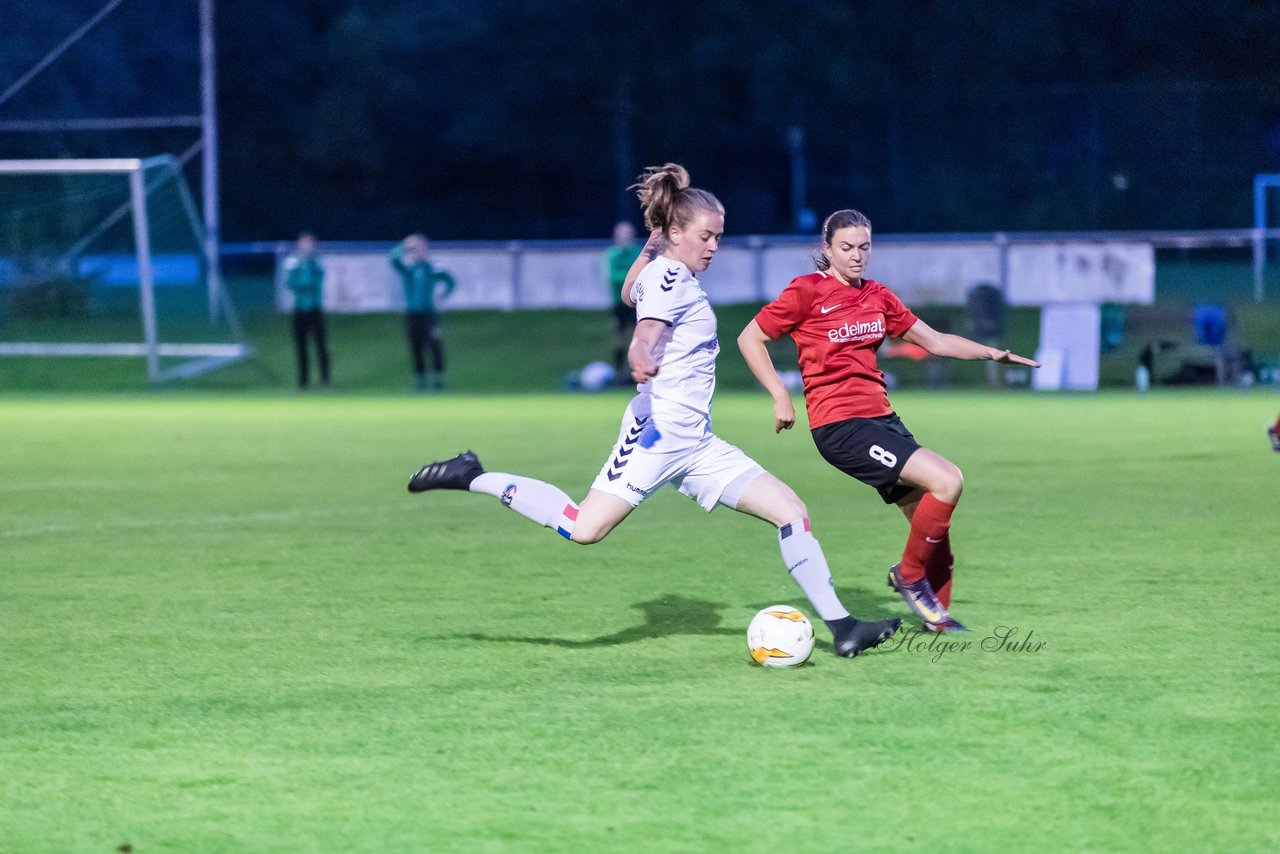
[{"x": 837, "y": 329}]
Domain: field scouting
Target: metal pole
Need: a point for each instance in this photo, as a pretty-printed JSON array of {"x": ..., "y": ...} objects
[
  {"x": 189, "y": 205},
  {"x": 757, "y": 244},
  {"x": 516, "y": 248},
  {"x": 58, "y": 51},
  {"x": 146, "y": 285},
  {"x": 209, "y": 135},
  {"x": 1259, "y": 265},
  {"x": 123, "y": 123},
  {"x": 795, "y": 146},
  {"x": 1001, "y": 241},
  {"x": 1259, "y": 243}
]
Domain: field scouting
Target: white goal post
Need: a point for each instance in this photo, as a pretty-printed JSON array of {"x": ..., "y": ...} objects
[
  {"x": 1261, "y": 183},
  {"x": 143, "y": 175}
]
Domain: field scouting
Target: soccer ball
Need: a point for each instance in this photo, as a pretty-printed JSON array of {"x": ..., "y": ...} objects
[{"x": 780, "y": 636}]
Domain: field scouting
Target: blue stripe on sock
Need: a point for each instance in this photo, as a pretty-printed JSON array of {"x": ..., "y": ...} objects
[{"x": 568, "y": 535}]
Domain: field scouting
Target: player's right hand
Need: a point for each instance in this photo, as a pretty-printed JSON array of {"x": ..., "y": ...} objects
[
  {"x": 784, "y": 415},
  {"x": 643, "y": 373}
]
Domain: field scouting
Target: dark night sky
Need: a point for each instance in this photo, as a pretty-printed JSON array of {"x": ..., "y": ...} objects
[{"x": 496, "y": 120}]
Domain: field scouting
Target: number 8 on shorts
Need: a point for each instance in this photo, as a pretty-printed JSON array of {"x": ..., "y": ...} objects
[{"x": 885, "y": 458}]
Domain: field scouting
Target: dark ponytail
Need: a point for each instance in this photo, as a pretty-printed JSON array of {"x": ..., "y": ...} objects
[{"x": 835, "y": 222}]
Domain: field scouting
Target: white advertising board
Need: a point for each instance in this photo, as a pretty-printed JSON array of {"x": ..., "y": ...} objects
[
  {"x": 923, "y": 273},
  {"x": 1081, "y": 272}
]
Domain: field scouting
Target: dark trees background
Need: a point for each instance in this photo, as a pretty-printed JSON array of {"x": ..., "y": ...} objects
[{"x": 488, "y": 119}]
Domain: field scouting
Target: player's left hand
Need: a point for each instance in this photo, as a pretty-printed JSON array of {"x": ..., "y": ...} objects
[{"x": 1006, "y": 357}]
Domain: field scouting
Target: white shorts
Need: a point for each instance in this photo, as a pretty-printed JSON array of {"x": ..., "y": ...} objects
[{"x": 663, "y": 442}]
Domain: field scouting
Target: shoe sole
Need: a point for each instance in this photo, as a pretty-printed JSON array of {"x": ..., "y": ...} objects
[{"x": 944, "y": 628}]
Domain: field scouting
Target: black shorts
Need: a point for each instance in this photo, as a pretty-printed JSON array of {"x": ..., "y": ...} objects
[{"x": 873, "y": 450}]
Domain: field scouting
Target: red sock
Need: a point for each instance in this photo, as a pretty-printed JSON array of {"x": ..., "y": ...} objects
[
  {"x": 929, "y": 526},
  {"x": 939, "y": 568}
]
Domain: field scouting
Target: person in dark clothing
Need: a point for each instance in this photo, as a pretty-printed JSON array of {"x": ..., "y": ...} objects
[
  {"x": 618, "y": 259},
  {"x": 420, "y": 280},
  {"x": 304, "y": 277}
]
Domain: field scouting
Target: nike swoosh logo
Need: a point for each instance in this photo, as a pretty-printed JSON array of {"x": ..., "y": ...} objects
[
  {"x": 932, "y": 540},
  {"x": 828, "y": 308},
  {"x": 923, "y": 609}
]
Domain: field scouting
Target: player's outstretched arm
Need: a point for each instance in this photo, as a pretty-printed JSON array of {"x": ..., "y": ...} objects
[
  {"x": 643, "y": 343},
  {"x": 752, "y": 344},
  {"x": 958, "y": 347},
  {"x": 652, "y": 249}
]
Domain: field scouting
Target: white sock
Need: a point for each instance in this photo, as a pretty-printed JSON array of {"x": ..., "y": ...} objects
[
  {"x": 808, "y": 566},
  {"x": 543, "y": 503}
]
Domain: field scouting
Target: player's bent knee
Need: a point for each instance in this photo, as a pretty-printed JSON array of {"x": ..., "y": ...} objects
[
  {"x": 950, "y": 485},
  {"x": 590, "y": 531},
  {"x": 585, "y": 535}
]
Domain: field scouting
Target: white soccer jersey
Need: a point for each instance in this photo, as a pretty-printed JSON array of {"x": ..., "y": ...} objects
[{"x": 667, "y": 290}]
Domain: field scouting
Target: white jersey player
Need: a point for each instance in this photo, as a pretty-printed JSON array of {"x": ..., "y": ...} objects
[
  {"x": 666, "y": 432},
  {"x": 665, "y": 436}
]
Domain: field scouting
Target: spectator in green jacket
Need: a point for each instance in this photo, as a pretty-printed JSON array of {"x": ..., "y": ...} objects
[
  {"x": 618, "y": 259},
  {"x": 420, "y": 280},
  {"x": 304, "y": 277}
]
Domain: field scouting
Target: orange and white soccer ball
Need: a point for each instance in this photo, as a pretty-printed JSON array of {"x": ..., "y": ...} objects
[{"x": 780, "y": 636}]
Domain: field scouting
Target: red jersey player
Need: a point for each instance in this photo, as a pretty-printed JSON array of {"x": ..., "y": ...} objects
[{"x": 838, "y": 319}]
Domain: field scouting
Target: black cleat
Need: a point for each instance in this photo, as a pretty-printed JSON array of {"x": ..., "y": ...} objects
[
  {"x": 1274, "y": 436},
  {"x": 456, "y": 473},
  {"x": 864, "y": 636}
]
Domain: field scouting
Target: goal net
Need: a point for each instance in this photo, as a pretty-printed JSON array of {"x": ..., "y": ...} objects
[{"x": 105, "y": 258}]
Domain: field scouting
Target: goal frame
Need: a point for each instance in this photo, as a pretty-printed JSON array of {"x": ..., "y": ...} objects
[
  {"x": 200, "y": 358},
  {"x": 1261, "y": 183}
]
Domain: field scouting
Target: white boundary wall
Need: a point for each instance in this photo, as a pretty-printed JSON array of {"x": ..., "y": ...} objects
[
  {"x": 929, "y": 272},
  {"x": 1070, "y": 278}
]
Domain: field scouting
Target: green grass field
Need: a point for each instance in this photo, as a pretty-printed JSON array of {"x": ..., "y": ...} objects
[{"x": 226, "y": 626}]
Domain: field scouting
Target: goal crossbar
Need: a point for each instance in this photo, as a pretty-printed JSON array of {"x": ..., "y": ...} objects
[
  {"x": 72, "y": 165},
  {"x": 123, "y": 348}
]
